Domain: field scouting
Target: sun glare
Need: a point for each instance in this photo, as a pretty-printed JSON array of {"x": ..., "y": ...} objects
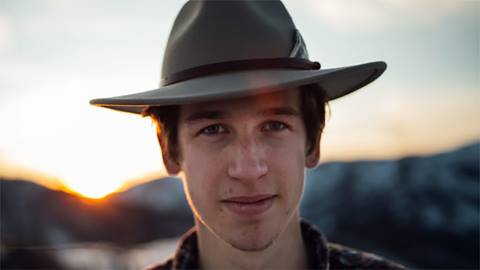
[
  {"x": 105, "y": 180},
  {"x": 92, "y": 189},
  {"x": 93, "y": 152}
]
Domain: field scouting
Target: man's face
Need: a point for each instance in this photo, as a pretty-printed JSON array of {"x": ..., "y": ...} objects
[{"x": 243, "y": 162}]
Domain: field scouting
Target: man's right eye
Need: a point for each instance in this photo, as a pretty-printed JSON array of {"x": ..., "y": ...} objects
[{"x": 213, "y": 129}]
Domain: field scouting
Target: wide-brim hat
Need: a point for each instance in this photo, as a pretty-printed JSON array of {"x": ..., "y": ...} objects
[{"x": 227, "y": 49}]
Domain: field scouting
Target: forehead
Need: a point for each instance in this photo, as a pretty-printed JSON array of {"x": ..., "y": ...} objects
[{"x": 286, "y": 98}]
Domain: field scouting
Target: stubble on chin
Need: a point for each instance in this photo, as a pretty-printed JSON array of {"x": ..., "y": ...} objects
[
  {"x": 252, "y": 243},
  {"x": 247, "y": 248}
]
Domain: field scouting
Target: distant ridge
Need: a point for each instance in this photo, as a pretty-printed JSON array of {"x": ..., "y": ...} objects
[{"x": 398, "y": 207}]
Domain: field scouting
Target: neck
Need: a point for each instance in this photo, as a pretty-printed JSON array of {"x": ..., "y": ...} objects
[{"x": 287, "y": 251}]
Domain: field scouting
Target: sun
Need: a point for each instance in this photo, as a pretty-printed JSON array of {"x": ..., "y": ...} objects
[
  {"x": 94, "y": 185},
  {"x": 94, "y": 189},
  {"x": 92, "y": 153}
]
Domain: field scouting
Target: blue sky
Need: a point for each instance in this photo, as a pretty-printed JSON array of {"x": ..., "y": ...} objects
[{"x": 56, "y": 55}]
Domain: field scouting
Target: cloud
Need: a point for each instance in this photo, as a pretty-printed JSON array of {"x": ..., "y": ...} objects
[
  {"x": 377, "y": 15},
  {"x": 6, "y": 38}
]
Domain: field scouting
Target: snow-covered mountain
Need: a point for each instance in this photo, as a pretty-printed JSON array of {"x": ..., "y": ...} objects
[{"x": 422, "y": 210}]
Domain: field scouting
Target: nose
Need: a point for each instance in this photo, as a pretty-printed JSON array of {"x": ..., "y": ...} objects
[{"x": 247, "y": 161}]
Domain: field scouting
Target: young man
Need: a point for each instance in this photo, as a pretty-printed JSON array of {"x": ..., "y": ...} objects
[{"x": 240, "y": 113}]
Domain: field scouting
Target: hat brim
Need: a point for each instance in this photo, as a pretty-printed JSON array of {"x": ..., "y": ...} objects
[{"x": 337, "y": 82}]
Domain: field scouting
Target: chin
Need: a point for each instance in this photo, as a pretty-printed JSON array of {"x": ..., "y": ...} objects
[
  {"x": 251, "y": 247},
  {"x": 254, "y": 242}
]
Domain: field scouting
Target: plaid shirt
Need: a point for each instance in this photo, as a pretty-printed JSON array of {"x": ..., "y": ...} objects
[{"x": 321, "y": 254}]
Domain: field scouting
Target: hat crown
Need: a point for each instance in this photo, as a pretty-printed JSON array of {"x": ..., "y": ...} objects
[{"x": 208, "y": 32}]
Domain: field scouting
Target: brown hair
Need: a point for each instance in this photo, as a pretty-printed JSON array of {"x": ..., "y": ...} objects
[{"x": 313, "y": 106}]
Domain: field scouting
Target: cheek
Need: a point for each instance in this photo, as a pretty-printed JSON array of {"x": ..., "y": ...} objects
[
  {"x": 201, "y": 162},
  {"x": 202, "y": 171},
  {"x": 287, "y": 165}
]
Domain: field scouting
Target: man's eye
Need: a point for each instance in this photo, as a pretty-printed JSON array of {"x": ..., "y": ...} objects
[
  {"x": 274, "y": 126},
  {"x": 213, "y": 129}
]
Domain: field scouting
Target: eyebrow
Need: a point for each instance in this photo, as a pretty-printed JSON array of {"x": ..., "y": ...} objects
[
  {"x": 205, "y": 115},
  {"x": 287, "y": 111},
  {"x": 218, "y": 114}
]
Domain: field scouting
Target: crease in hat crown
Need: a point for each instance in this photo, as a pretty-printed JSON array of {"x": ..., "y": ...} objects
[
  {"x": 197, "y": 39},
  {"x": 233, "y": 48}
]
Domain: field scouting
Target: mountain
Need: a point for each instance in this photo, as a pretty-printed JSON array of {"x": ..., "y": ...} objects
[
  {"x": 162, "y": 195},
  {"x": 421, "y": 211},
  {"x": 33, "y": 215}
]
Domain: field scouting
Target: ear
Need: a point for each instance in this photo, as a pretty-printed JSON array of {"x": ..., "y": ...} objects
[
  {"x": 171, "y": 164},
  {"x": 313, "y": 157}
]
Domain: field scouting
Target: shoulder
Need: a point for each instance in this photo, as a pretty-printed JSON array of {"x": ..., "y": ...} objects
[
  {"x": 162, "y": 266},
  {"x": 342, "y": 257}
]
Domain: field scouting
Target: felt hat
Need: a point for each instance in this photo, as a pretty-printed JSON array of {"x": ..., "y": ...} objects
[{"x": 227, "y": 49}]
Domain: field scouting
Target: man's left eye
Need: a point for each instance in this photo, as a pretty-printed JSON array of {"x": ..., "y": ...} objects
[{"x": 274, "y": 126}]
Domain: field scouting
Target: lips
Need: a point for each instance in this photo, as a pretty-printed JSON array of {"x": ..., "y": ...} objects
[
  {"x": 249, "y": 206},
  {"x": 248, "y": 199}
]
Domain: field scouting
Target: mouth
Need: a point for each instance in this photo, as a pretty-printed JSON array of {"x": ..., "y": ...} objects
[
  {"x": 248, "y": 199},
  {"x": 248, "y": 206}
]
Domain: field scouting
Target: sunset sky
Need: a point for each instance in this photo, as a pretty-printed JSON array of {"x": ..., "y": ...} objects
[{"x": 56, "y": 55}]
